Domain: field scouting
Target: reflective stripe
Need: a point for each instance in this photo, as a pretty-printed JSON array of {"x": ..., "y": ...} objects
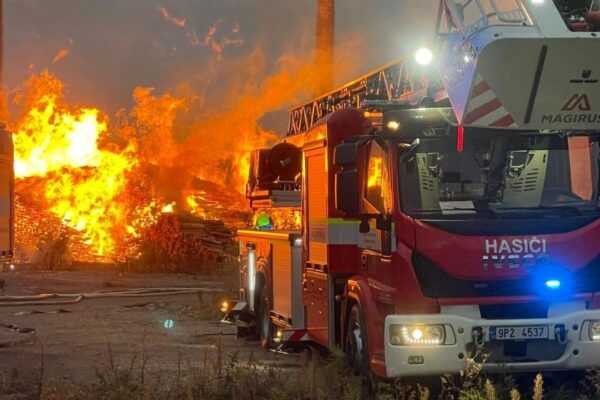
[
  {"x": 343, "y": 232},
  {"x": 299, "y": 335}
]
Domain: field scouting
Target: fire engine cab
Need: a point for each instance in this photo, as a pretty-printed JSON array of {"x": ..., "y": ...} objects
[{"x": 420, "y": 216}]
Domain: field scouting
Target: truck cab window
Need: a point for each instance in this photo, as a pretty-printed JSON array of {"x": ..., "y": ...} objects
[
  {"x": 501, "y": 173},
  {"x": 378, "y": 189},
  {"x": 580, "y": 15},
  {"x": 475, "y": 15}
]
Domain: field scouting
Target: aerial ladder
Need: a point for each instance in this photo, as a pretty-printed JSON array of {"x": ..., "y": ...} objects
[{"x": 518, "y": 64}]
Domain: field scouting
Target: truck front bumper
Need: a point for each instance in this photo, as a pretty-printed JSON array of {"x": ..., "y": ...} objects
[{"x": 569, "y": 345}]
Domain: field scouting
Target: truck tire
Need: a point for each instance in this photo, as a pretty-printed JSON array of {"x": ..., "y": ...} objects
[
  {"x": 265, "y": 327},
  {"x": 355, "y": 347}
]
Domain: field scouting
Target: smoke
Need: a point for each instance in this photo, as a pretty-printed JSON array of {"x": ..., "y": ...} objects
[{"x": 203, "y": 94}]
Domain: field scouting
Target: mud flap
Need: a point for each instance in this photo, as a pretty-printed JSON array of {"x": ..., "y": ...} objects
[
  {"x": 292, "y": 340},
  {"x": 237, "y": 312}
]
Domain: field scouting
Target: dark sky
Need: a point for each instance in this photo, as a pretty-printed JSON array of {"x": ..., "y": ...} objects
[{"x": 115, "y": 45}]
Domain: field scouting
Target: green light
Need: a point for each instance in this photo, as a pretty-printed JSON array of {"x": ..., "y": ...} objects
[
  {"x": 168, "y": 323},
  {"x": 263, "y": 221}
]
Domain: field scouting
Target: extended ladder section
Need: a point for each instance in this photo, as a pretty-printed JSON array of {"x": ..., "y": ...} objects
[
  {"x": 519, "y": 64},
  {"x": 402, "y": 81},
  {"x": 522, "y": 64}
]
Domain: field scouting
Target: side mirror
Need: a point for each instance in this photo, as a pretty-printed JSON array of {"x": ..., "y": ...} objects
[
  {"x": 345, "y": 155},
  {"x": 347, "y": 197}
]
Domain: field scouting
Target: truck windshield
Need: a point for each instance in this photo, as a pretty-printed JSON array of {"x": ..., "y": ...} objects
[
  {"x": 500, "y": 174},
  {"x": 475, "y": 15}
]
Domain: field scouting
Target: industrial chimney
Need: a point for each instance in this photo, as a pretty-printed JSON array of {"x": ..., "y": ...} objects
[
  {"x": 3, "y": 94},
  {"x": 325, "y": 40}
]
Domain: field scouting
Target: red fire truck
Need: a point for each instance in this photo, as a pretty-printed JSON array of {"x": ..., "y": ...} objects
[{"x": 444, "y": 211}]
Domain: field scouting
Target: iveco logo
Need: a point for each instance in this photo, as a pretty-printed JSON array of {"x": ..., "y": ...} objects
[{"x": 514, "y": 253}]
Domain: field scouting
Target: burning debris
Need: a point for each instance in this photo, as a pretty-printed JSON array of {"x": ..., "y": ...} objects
[
  {"x": 103, "y": 184},
  {"x": 185, "y": 243},
  {"x": 99, "y": 187}
]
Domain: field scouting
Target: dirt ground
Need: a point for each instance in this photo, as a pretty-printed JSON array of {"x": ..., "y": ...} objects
[{"x": 69, "y": 343}]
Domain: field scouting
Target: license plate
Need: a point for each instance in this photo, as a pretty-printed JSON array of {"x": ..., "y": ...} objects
[{"x": 518, "y": 332}]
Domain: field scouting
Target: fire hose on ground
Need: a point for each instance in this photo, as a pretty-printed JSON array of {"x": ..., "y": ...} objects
[{"x": 51, "y": 299}]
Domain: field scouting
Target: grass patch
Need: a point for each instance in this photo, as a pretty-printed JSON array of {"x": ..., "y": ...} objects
[{"x": 222, "y": 376}]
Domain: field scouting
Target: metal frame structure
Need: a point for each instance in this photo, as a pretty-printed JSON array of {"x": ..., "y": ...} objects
[{"x": 401, "y": 80}]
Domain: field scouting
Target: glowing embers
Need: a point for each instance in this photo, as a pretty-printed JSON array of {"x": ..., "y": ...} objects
[{"x": 417, "y": 335}]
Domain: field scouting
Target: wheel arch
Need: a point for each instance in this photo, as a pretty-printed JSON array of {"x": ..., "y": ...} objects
[{"x": 357, "y": 292}]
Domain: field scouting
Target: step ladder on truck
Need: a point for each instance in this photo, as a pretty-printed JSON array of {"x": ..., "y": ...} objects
[{"x": 449, "y": 203}]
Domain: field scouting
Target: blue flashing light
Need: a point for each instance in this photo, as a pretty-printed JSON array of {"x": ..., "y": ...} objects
[{"x": 553, "y": 284}]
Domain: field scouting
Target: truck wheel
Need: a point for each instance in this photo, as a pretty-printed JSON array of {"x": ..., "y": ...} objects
[
  {"x": 357, "y": 353},
  {"x": 265, "y": 327}
]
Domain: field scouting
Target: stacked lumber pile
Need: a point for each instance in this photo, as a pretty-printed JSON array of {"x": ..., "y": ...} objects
[
  {"x": 40, "y": 235},
  {"x": 185, "y": 243},
  {"x": 213, "y": 235},
  {"x": 182, "y": 241},
  {"x": 218, "y": 202}
]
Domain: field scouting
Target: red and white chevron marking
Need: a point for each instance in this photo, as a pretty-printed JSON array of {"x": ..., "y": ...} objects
[
  {"x": 298, "y": 335},
  {"x": 485, "y": 109}
]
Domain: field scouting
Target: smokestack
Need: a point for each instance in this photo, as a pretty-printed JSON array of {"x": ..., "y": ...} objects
[
  {"x": 325, "y": 39},
  {"x": 3, "y": 99}
]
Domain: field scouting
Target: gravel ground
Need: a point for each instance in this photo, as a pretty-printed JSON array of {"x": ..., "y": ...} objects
[{"x": 69, "y": 343}]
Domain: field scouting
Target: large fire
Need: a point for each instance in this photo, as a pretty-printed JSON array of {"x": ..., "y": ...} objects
[
  {"x": 98, "y": 178},
  {"x": 110, "y": 181},
  {"x": 81, "y": 181}
]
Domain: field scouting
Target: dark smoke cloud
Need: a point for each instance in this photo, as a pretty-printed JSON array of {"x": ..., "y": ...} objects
[{"x": 115, "y": 45}]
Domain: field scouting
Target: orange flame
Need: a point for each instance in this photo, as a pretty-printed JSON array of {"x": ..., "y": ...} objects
[
  {"x": 80, "y": 179},
  {"x": 111, "y": 182},
  {"x": 168, "y": 209}
]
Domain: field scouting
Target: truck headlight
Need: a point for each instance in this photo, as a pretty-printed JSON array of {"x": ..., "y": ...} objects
[
  {"x": 595, "y": 330},
  {"x": 418, "y": 335}
]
